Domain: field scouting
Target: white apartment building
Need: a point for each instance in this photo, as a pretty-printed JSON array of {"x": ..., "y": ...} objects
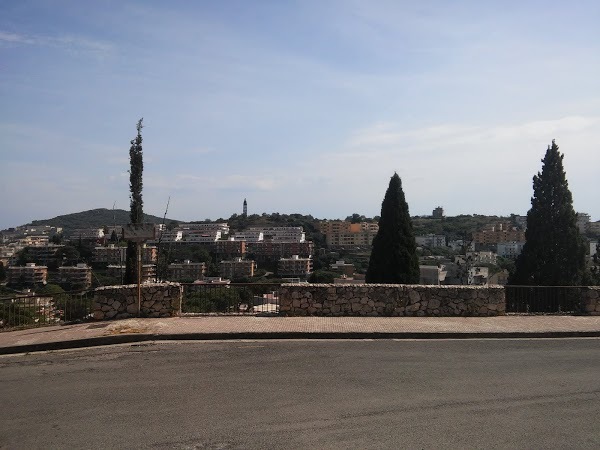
[
  {"x": 509, "y": 249},
  {"x": 249, "y": 236},
  {"x": 282, "y": 234},
  {"x": 200, "y": 236},
  {"x": 223, "y": 227},
  {"x": 431, "y": 240}
]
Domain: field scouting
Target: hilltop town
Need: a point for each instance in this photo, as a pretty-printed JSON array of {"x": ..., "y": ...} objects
[{"x": 78, "y": 251}]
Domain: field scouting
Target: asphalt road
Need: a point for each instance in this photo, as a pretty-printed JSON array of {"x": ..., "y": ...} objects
[{"x": 306, "y": 394}]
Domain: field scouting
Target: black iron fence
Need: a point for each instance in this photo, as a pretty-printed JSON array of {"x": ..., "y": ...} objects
[
  {"x": 26, "y": 311},
  {"x": 544, "y": 299},
  {"x": 234, "y": 298}
]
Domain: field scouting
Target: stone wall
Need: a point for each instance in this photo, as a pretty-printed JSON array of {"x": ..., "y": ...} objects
[
  {"x": 591, "y": 300},
  {"x": 121, "y": 302},
  {"x": 390, "y": 300}
]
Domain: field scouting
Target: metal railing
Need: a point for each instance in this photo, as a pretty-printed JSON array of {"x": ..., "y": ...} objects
[
  {"x": 28, "y": 311},
  {"x": 544, "y": 299},
  {"x": 234, "y": 298}
]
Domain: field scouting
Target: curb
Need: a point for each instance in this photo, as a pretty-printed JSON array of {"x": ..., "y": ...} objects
[{"x": 134, "y": 338}]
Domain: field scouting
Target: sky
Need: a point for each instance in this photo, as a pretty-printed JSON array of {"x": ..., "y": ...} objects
[{"x": 299, "y": 106}]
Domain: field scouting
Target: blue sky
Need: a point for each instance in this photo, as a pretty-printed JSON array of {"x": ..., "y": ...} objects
[{"x": 298, "y": 106}]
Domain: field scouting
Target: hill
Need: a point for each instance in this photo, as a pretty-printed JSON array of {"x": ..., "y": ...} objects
[{"x": 95, "y": 218}]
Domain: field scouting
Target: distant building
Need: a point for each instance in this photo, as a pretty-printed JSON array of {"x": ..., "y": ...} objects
[
  {"x": 583, "y": 220},
  {"x": 438, "y": 213},
  {"x": 340, "y": 233},
  {"x": 230, "y": 249},
  {"x": 294, "y": 267},
  {"x": 501, "y": 232},
  {"x": 272, "y": 251},
  {"x": 478, "y": 276},
  {"x": 113, "y": 254},
  {"x": 509, "y": 249},
  {"x": 280, "y": 234},
  {"x": 343, "y": 267},
  {"x": 431, "y": 240},
  {"x": 186, "y": 271},
  {"x": 594, "y": 227},
  {"x": 237, "y": 268},
  {"x": 29, "y": 275},
  {"x": 79, "y": 276},
  {"x": 432, "y": 275},
  {"x": 148, "y": 271},
  {"x": 86, "y": 234},
  {"x": 254, "y": 235},
  {"x": 593, "y": 248}
]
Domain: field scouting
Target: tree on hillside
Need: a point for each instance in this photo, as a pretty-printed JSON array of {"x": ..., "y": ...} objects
[
  {"x": 136, "y": 215},
  {"x": 554, "y": 252},
  {"x": 394, "y": 255}
]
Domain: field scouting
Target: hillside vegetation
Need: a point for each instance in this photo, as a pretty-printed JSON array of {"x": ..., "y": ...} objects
[{"x": 95, "y": 218}]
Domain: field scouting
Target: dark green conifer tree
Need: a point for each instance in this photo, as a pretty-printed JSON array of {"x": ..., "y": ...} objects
[
  {"x": 554, "y": 252},
  {"x": 136, "y": 213},
  {"x": 394, "y": 254}
]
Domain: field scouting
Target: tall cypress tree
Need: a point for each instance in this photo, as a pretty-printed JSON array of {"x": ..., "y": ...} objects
[
  {"x": 394, "y": 254},
  {"x": 136, "y": 214},
  {"x": 554, "y": 252}
]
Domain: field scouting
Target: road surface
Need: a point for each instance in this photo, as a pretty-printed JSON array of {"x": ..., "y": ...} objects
[{"x": 306, "y": 394}]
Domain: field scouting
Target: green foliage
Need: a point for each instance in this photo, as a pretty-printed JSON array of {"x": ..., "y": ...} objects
[
  {"x": 2, "y": 271},
  {"x": 136, "y": 214},
  {"x": 323, "y": 276},
  {"x": 394, "y": 255},
  {"x": 554, "y": 252}
]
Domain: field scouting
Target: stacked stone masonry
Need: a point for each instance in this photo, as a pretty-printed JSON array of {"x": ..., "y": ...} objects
[
  {"x": 591, "y": 300},
  {"x": 391, "y": 300},
  {"x": 121, "y": 302}
]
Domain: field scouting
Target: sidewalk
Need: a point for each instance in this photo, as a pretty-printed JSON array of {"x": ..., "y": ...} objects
[{"x": 252, "y": 327}]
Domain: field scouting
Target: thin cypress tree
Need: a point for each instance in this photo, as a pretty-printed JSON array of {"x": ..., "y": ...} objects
[
  {"x": 554, "y": 252},
  {"x": 394, "y": 254},
  {"x": 136, "y": 214}
]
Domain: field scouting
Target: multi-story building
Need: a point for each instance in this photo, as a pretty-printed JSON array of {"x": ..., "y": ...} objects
[
  {"x": 294, "y": 267},
  {"x": 148, "y": 271},
  {"x": 222, "y": 227},
  {"x": 272, "y": 251},
  {"x": 167, "y": 236},
  {"x": 281, "y": 234},
  {"x": 86, "y": 234},
  {"x": 79, "y": 276},
  {"x": 237, "y": 268},
  {"x": 34, "y": 241},
  {"x": 42, "y": 254},
  {"x": 230, "y": 249},
  {"x": 113, "y": 254},
  {"x": 29, "y": 275},
  {"x": 255, "y": 235},
  {"x": 438, "y": 213},
  {"x": 594, "y": 227},
  {"x": 340, "y": 233},
  {"x": 501, "y": 232},
  {"x": 509, "y": 249},
  {"x": 583, "y": 220},
  {"x": 431, "y": 240},
  {"x": 200, "y": 236},
  {"x": 186, "y": 271},
  {"x": 474, "y": 258}
]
